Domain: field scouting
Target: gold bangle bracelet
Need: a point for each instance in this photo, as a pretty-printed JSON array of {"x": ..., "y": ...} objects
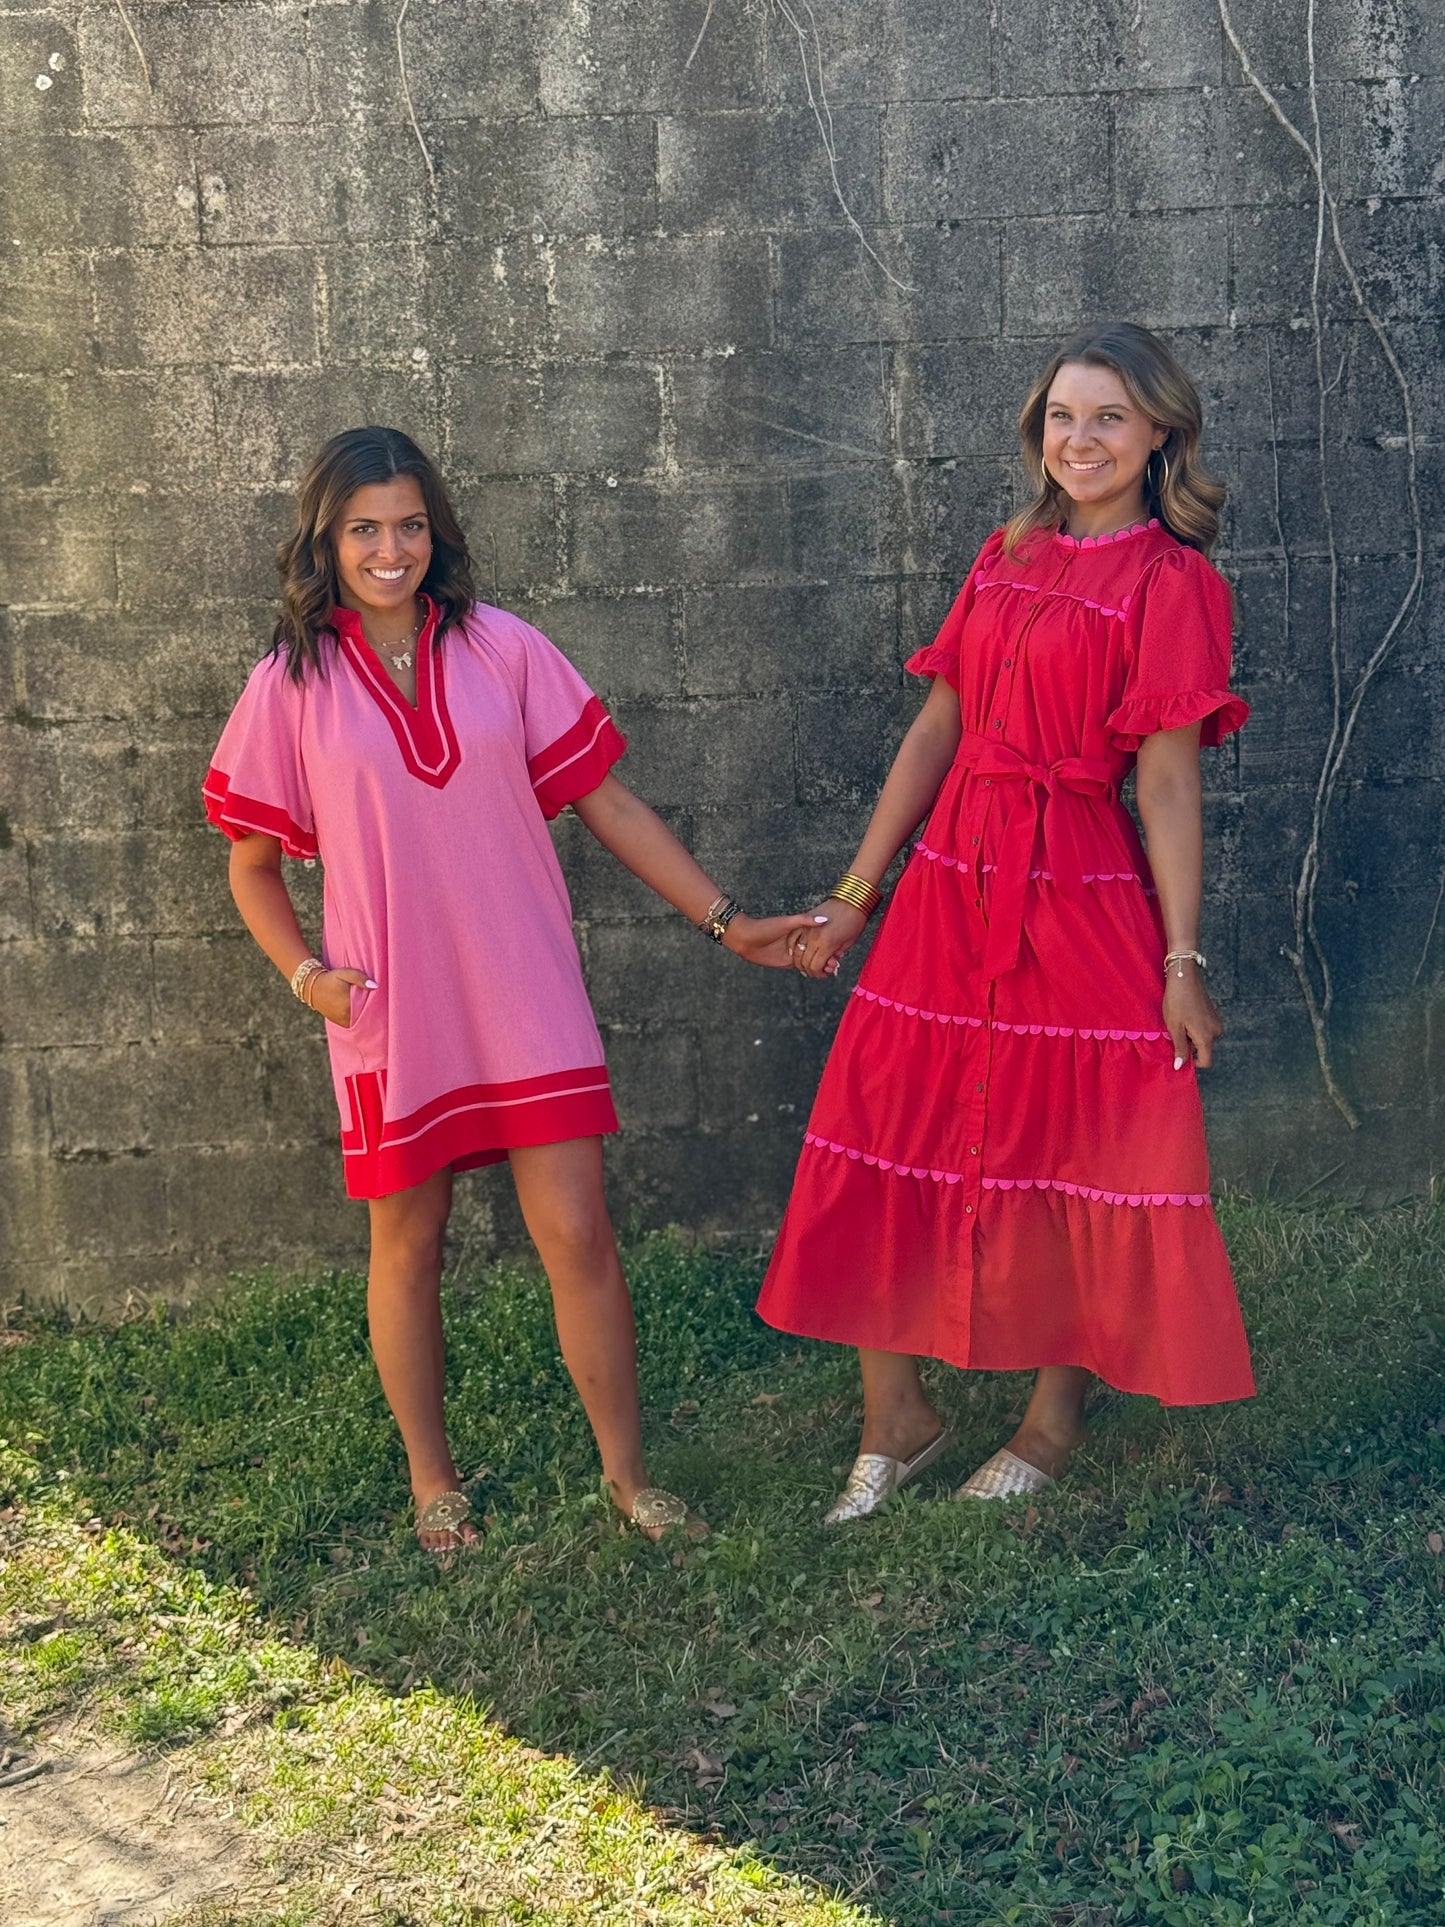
[{"x": 858, "y": 892}]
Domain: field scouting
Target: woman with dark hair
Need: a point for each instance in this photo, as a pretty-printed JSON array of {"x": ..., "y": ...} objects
[
  {"x": 417, "y": 741},
  {"x": 1005, "y": 1166}
]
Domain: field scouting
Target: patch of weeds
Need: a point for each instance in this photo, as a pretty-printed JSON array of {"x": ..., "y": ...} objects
[{"x": 1201, "y": 1681}]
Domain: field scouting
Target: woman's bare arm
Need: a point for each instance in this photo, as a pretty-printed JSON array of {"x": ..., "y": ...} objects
[
  {"x": 261, "y": 896},
  {"x": 924, "y": 758},
  {"x": 1168, "y": 792}
]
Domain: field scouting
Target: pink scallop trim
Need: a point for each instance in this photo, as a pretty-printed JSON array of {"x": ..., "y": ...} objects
[
  {"x": 1065, "y": 595},
  {"x": 1110, "y": 1036},
  {"x": 1102, "y": 541},
  {"x": 1039, "y": 876},
  {"x": 1092, "y": 1193}
]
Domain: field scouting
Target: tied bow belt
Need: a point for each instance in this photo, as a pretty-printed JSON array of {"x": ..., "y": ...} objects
[{"x": 1034, "y": 785}]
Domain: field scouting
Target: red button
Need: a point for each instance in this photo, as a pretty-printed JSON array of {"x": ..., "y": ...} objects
[
  {"x": 978, "y": 903},
  {"x": 978, "y": 1087},
  {"x": 968, "y": 1207},
  {"x": 998, "y": 722},
  {"x": 973, "y": 1150},
  {"x": 975, "y": 842},
  {"x": 1008, "y": 662}
]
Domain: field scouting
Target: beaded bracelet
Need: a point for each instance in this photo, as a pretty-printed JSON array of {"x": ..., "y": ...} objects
[
  {"x": 716, "y": 918},
  {"x": 301, "y": 977}
]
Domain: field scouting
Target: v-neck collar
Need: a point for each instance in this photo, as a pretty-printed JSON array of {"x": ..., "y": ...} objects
[{"x": 423, "y": 730}]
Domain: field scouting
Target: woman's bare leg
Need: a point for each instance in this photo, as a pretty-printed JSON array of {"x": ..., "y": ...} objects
[
  {"x": 897, "y": 1416},
  {"x": 403, "y": 1304},
  {"x": 559, "y": 1187},
  {"x": 1054, "y": 1421}
]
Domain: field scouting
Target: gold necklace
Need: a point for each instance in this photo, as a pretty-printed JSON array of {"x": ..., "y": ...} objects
[{"x": 405, "y": 658}]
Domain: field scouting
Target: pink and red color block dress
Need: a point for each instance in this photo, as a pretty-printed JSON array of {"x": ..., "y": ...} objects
[
  {"x": 441, "y": 883},
  {"x": 1003, "y": 1169}
]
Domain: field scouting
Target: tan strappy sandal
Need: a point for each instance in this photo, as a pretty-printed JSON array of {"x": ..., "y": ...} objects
[{"x": 447, "y": 1512}]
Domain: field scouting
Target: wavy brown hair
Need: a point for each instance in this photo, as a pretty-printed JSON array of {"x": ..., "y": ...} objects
[
  {"x": 1189, "y": 501},
  {"x": 306, "y": 560}
]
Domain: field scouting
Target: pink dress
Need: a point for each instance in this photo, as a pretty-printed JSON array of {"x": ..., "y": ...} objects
[{"x": 441, "y": 883}]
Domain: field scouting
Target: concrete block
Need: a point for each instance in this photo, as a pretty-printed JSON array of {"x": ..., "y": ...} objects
[
  {"x": 649, "y": 535},
  {"x": 25, "y": 1215},
  {"x": 512, "y": 527},
  {"x": 552, "y": 418},
  {"x": 1262, "y": 165},
  {"x": 235, "y": 65},
  {"x": 143, "y": 1097},
  {"x": 296, "y": 1082},
  {"x": 945, "y": 287},
  {"x": 168, "y": 780},
  {"x": 64, "y": 779},
  {"x": 846, "y": 744},
  {"x": 462, "y": 64},
  {"x": 961, "y": 160},
  {"x": 774, "y": 857},
  {"x": 504, "y": 178},
  {"x": 740, "y": 641},
  {"x": 1165, "y": 271},
  {"x": 114, "y": 431},
  {"x": 963, "y": 398},
  {"x": 767, "y": 170},
  {"x": 1272, "y": 257},
  {"x": 74, "y": 992},
  {"x": 1170, "y": 150},
  {"x": 912, "y": 50},
  {"x": 640, "y": 972},
  {"x": 39, "y": 79},
  {"x": 27, "y": 458},
  {"x": 57, "y": 551},
  {"x": 719, "y": 751},
  {"x": 624, "y": 645},
  {"x": 103, "y": 1206},
  {"x": 92, "y": 665},
  {"x": 1400, "y": 259},
  {"x": 769, "y": 1080},
  {"x": 46, "y": 311},
  {"x": 1088, "y": 46},
  {"x": 212, "y": 305},
  {"x": 948, "y": 509},
  {"x": 24, "y": 1106},
  {"x": 99, "y": 190},
  {"x": 270, "y": 425},
  {"x": 167, "y": 561},
  {"x": 780, "y": 411},
  {"x": 1351, "y": 42},
  {"x": 17, "y": 913},
  {"x": 221, "y": 988},
  {"x": 487, "y": 300},
  {"x": 271, "y": 184},
  {"x": 644, "y": 296},
  {"x": 845, "y": 524},
  {"x": 631, "y": 57},
  {"x": 374, "y": 304},
  {"x": 292, "y": 1196},
  {"x": 654, "y": 1072},
  {"x": 1390, "y": 137}
]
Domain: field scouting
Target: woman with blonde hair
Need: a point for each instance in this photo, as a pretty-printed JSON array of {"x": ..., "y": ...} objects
[
  {"x": 1005, "y": 1166},
  {"x": 418, "y": 741}
]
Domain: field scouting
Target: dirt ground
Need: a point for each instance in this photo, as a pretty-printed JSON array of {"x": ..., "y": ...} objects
[{"x": 103, "y": 1838}]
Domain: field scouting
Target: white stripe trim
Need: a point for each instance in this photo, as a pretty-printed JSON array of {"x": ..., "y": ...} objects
[
  {"x": 547, "y": 775},
  {"x": 480, "y": 1104}
]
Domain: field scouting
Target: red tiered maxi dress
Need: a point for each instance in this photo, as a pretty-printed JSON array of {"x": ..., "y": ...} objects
[{"x": 1003, "y": 1169}]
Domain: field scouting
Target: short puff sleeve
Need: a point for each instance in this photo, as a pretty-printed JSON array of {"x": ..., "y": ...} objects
[
  {"x": 1177, "y": 633},
  {"x": 943, "y": 655},
  {"x": 257, "y": 782},
  {"x": 571, "y": 740}
]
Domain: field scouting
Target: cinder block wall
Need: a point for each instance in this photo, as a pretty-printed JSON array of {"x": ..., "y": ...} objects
[{"x": 733, "y": 447}]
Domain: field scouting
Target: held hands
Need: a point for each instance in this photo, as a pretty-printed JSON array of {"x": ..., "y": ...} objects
[
  {"x": 1190, "y": 1017},
  {"x": 826, "y": 937},
  {"x": 330, "y": 993},
  {"x": 766, "y": 940}
]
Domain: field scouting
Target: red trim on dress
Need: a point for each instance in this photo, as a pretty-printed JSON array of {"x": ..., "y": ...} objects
[
  {"x": 577, "y": 761},
  {"x": 424, "y": 732},
  {"x": 236, "y": 816},
  {"x": 473, "y": 1125}
]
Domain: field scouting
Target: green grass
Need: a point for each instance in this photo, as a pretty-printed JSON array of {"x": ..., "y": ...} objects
[{"x": 1202, "y": 1681}]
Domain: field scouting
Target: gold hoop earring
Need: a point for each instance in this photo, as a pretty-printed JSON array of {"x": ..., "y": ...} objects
[
  {"x": 1165, "y": 460},
  {"x": 1044, "y": 471}
]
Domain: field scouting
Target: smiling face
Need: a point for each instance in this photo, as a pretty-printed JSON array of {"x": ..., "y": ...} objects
[
  {"x": 1097, "y": 444},
  {"x": 382, "y": 541}
]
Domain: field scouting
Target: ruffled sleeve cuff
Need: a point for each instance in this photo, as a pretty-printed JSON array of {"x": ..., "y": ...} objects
[
  {"x": 1139, "y": 716},
  {"x": 236, "y": 816},
  {"x": 577, "y": 761},
  {"x": 935, "y": 660}
]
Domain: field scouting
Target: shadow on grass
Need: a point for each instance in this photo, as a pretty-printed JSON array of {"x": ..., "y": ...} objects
[{"x": 1204, "y": 1677}]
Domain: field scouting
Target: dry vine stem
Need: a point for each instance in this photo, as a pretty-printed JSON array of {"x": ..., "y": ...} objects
[
  {"x": 1345, "y": 706},
  {"x": 406, "y": 93},
  {"x": 140, "y": 52}
]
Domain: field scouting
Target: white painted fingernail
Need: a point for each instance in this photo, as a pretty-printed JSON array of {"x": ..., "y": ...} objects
[
  {"x": 820, "y": 919},
  {"x": 370, "y": 984},
  {"x": 1179, "y": 1063}
]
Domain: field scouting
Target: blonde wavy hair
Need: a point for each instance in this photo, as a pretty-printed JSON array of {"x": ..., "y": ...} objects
[{"x": 1184, "y": 496}]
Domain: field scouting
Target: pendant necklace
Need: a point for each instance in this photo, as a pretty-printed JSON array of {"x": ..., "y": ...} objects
[{"x": 404, "y": 658}]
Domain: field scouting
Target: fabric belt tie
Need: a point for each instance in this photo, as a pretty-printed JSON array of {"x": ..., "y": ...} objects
[{"x": 1037, "y": 785}]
